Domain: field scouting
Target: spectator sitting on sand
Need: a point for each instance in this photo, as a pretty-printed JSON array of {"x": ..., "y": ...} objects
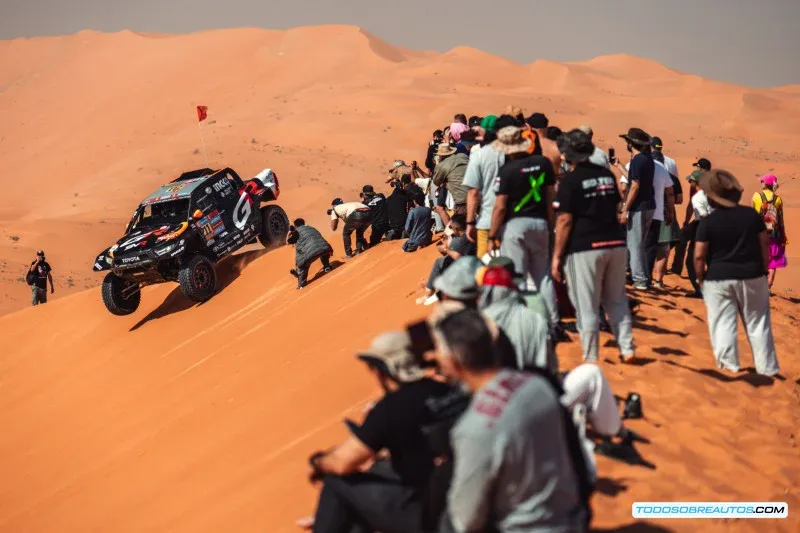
[
  {"x": 544, "y": 483},
  {"x": 453, "y": 246},
  {"x": 731, "y": 258},
  {"x": 419, "y": 225},
  {"x": 391, "y": 496}
]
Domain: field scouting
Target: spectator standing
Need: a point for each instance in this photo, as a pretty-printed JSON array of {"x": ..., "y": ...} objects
[
  {"x": 449, "y": 177},
  {"x": 700, "y": 210},
  {"x": 522, "y": 218},
  {"x": 480, "y": 180},
  {"x": 38, "y": 275},
  {"x": 590, "y": 238},
  {"x": 680, "y": 249},
  {"x": 639, "y": 204},
  {"x": 731, "y": 258},
  {"x": 599, "y": 157},
  {"x": 539, "y": 122},
  {"x": 769, "y": 205}
]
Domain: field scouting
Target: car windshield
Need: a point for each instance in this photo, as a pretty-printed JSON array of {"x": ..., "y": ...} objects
[{"x": 162, "y": 214}]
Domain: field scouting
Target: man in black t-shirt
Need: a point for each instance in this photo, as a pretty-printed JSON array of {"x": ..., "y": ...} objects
[
  {"x": 639, "y": 205},
  {"x": 391, "y": 496},
  {"x": 731, "y": 259},
  {"x": 38, "y": 275},
  {"x": 380, "y": 214},
  {"x": 590, "y": 237},
  {"x": 398, "y": 204},
  {"x": 523, "y": 216}
]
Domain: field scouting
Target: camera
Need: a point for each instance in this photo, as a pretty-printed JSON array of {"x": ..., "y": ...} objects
[
  {"x": 612, "y": 157},
  {"x": 421, "y": 343},
  {"x": 330, "y": 211}
]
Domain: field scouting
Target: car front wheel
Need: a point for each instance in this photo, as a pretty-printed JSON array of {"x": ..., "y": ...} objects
[
  {"x": 274, "y": 226},
  {"x": 121, "y": 296},
  {"x": 198, "y": 279}
]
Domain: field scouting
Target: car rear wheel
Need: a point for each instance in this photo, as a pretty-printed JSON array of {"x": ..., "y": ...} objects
[
  {"x": 121, "y": 296},
  {"x": 198, "y": 279},
  {"x": 274, "y": 226}
]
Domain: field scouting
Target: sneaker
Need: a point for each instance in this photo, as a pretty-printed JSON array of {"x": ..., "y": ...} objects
[
  {"x": 301, "y": 285},
  {"x": 559, "y": 334},
  {"x": 348, "y": 256},
  {"x": 326, "y": 269},
  {"x": 658, "y": 285},
  {"x": 640, "y": 286}
]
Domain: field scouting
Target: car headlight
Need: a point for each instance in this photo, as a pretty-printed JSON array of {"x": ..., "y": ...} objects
[{"x": 165, "y": 249}]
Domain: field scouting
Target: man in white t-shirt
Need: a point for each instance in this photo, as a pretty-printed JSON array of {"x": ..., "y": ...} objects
[
  {"x": 700, "y": 209},
  {"x": 662, "y": 191}
]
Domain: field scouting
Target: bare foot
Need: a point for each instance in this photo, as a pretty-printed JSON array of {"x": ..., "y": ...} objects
[{"x": 306, "y": 523}]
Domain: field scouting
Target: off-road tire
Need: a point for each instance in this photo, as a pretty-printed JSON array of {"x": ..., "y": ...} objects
[
  {"x": 198, "y": 279},
  {"x": 274, "y": 226},
  {"x": 113, "y": 299}
]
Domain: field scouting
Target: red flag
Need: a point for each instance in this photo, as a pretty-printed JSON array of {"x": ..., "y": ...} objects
[{"x": 202, "y": 112}]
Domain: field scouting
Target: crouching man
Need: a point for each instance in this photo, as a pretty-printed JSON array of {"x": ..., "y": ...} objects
[
  {"x": 391, "y": 496},
  {"x": 309, "y": 245}
]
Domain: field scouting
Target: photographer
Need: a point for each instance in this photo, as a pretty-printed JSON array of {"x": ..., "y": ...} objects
[
  {"x": 393, "y": 496},
  {"x": 309, "y": 245},
  {"x": 519, "y": 465},
  {"x": 380, "y": 213},
  {"x": 357, "y": 217}
]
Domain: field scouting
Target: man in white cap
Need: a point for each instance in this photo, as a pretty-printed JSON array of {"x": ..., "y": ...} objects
[{"x": 599, "y": 157}]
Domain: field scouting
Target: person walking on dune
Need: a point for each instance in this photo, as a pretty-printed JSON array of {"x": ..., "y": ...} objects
[
  {"x": 731, "y": 258},
  {"x": 38, "y": 275},
  {"x": 770, "y": 206},
  {"x": 309, "y": 245},
  {"x": 357, "y": 218}
]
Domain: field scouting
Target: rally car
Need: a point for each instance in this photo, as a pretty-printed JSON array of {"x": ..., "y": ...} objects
[{"x": 179, "y": 232}]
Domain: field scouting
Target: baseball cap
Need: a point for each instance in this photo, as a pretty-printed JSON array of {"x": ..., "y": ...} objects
[
  {"x": 40, "y": 252},
  {"x": 391, "y": 353},
  {"x": 458, "y": 281},
  {"x": 695, "y": 176},
  {"x": 475, "y": 121},
  {"x": 702, "y": 163},
  {"x": 538, "y": 121},
  {"x": 657, "y": 143}
]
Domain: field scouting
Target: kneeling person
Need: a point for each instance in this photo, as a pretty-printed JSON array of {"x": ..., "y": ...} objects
[{"x": 309, "y": 245}]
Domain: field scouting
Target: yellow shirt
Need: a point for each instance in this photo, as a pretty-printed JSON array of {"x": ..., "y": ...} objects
[{"x": 769, "y": 195}]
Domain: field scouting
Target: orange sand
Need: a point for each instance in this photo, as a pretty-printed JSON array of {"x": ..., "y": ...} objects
[{"x": 188, "y": 419}]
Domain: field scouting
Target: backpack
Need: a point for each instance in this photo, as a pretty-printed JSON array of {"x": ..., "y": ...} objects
[
  {"x": 769, "y": 214},
  {"x": 30, "y": 277}
]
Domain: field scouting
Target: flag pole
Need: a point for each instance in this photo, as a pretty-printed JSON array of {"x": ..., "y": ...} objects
[{"x": 203, "y": 141}]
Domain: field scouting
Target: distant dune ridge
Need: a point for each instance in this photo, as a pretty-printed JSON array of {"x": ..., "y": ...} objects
[{"x": 192, "y": 419}]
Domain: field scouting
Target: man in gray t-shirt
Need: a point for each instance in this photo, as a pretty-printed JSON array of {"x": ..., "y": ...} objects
[
  {"x": 512, "y": 466},
  {"x": 482, "y": 170}
]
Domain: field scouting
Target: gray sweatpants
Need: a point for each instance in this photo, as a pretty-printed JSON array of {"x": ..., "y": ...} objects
[
  {"x": 596, "y": 277},
  {"x": 638, "y": 226},
  {"x": 725, "y": 300},
  {"x": 526, "y": 241}
]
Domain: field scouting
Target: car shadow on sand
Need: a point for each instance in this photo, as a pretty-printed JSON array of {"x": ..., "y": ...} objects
[{"x": 228, "y": 270}]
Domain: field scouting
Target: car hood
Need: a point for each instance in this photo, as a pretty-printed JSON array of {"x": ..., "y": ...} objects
[{"x": 147, "y": 237}]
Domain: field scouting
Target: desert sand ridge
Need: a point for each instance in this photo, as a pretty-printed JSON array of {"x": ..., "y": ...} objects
[{"x": 200, "y": 418}]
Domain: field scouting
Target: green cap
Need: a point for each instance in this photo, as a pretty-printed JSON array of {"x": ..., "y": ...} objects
[
  {"x": 695, "y": 176},
  {"x": 488, "y": 122}
]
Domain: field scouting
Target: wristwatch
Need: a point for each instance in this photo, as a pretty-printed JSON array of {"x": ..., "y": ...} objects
[{"x": 472, "y": 222}]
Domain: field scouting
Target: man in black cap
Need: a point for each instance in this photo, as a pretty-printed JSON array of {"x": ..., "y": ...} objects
[
  {"x": 639, "y": 205},
  {"x": 687, "y": 231},
  {"x": 380, "y": 214},
  {"x": 37, "y": 277}
]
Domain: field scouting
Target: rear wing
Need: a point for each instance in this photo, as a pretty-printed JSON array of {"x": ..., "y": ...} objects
[{"x": 192, "y": 174}]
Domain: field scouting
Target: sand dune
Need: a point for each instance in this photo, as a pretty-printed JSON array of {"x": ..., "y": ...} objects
[{"x": 199, "y": 419}]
